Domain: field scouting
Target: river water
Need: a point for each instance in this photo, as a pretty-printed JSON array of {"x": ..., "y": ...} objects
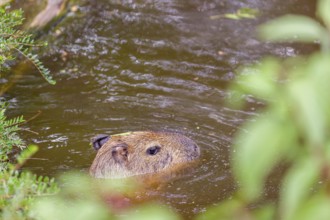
[{"x": 147, "y": 65}]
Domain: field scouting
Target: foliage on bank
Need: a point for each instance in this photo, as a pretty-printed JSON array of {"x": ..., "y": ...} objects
[
  {"x": 291, "y": 129},
  {"x": 15, "y": 42},
  {"x": 18, "y": 189}
]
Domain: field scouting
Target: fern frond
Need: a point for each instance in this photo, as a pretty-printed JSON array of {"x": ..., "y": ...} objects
[
  {"x": 13, "y": 122},
  {"x": 12, "y": 39},
  {"x": 33, "y": 58},
  {"x": 8, "y": 136}
]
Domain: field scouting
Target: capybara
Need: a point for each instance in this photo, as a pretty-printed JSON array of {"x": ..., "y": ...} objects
[{"x": 141, "y": 152}]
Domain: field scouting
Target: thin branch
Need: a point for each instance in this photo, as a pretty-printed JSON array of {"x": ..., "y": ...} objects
[
  {"x": 28, "y": 130},
  {"x": 33, "y": 117},
  {"x": 37, "y": 158}
]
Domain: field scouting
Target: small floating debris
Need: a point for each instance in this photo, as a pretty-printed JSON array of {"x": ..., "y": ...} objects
[{"x": 242, "y": 13}]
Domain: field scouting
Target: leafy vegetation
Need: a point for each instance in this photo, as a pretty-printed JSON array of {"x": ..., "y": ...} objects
[
  {"x": 292, "y": 128},
  {"x": 18, "y": 189},
  {"x": 8, "y": 136},
  {"x": 83, "y": 197},
  {"x": 14, "y": 42}
]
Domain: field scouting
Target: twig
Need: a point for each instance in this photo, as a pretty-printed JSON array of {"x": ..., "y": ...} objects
[
  {"x": 36, "y": 158},
  {"x": 28, "y": 130},
  {"x": 33, "y": 117}
]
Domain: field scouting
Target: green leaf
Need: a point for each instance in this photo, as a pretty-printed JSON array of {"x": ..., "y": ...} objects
[
  {"x": 259, "y": 81},
  {"x": 319, "y": 66},
  {"x": 308, "y": 111},
  {"x": 229, "y": 209},
  {"x": 317, "y": 207},
  {"x": 323, "y": 9},
  {"x": 150, "y": 212},
  {"x": 55, "y": 208},
  {"x": 297, "y": 186},
  {"x": 268, "y": 140},
  {"x": 294, "y": 28},
  {"x": 75, "y": 183},
  {"x": 267, "y": 211}
]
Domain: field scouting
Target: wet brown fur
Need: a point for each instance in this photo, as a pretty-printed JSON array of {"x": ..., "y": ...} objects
[{"x": 126, "y": 155}]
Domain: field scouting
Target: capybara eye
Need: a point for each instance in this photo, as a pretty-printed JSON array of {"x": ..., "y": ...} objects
[{"x": 153, "y": 150}]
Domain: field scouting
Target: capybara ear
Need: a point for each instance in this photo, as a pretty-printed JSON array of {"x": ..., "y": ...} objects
[
  {"x": 99, "y": 140},
  {"x": 120, "y": 152}
]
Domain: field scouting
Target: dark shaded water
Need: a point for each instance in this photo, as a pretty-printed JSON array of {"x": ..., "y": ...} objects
[{"x": 146, "y": 65}]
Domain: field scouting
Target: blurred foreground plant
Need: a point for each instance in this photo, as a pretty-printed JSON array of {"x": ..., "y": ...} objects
[
  {"x": 83, "y": 197},
  {"x": 293, "y": 127}
]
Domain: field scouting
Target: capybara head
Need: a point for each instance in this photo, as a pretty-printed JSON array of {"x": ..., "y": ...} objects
[{"x": 142, "y": 152}]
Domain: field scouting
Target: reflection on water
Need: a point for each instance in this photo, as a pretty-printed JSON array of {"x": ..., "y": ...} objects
[{"x": 146, "y": 65}]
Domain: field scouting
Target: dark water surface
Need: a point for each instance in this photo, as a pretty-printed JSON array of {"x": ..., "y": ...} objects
[{"x": 147, "y": 65}]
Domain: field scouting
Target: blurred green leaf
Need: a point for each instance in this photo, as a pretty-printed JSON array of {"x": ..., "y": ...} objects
[
  {"x": 297, "y": 186},
  {"x": 308, "y": 111},
  {"x": 323, "y": 9},
  {"x": 75, "y": 183},
  {"x": 229, "y": 209},
  {"x": 258, "y": 150},
  {"x": 319, "y": 66},
  {"x": 327, "y": 150},
  {"x": 149, "y": 212},
  {"x": 317, "y": 207},
  {"x": 265, "y": 212},
  {"x": 260, "y": 80},
  {"x": 294, "y": 28},
  {"x": 53, "y": 208}
]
